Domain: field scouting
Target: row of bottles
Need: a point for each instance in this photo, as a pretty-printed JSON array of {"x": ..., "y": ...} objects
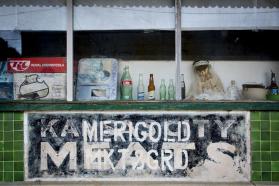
[
  {"x": 165, "y": 93},
  {"x": 168, "y": 92}
]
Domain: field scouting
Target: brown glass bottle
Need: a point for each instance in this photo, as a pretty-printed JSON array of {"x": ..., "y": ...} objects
[{"x": 151, "y": 88}]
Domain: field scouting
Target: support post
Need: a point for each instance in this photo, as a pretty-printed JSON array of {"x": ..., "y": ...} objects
[
  {"x": 177, "y": 48},
  {"x": 70, "y": 65}
]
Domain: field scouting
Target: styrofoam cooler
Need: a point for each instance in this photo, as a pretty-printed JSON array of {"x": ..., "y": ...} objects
[
  {"x": 40, "y": 78},
  {"x": 97, "y": 79}
]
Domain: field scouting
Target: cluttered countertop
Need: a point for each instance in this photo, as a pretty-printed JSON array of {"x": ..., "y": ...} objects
[{"x": 43, "y": 88}]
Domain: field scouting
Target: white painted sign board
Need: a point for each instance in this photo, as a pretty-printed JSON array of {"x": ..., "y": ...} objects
[{"x": 178, "y": 146}]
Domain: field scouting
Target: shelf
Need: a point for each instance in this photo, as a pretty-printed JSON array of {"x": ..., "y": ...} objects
[{"x": 138, "y": 105}]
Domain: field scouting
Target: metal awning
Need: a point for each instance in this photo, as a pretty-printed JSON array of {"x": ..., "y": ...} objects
[{"x": 139, "y": 14}]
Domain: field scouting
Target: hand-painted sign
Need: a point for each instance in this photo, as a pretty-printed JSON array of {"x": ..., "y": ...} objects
[{"x": 184, "y": 146}]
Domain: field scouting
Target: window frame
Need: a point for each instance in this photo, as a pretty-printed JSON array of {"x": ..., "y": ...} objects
[{"x": 70, "y": 49}]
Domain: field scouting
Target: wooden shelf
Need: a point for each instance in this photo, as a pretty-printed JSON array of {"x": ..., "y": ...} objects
[{"x": 138, "y": 105}]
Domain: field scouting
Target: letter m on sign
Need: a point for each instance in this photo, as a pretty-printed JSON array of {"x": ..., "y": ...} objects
[{"x": 57, "y": 158}]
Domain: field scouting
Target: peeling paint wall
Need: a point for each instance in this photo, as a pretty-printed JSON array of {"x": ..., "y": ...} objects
[{"x": 186, "y": 146}]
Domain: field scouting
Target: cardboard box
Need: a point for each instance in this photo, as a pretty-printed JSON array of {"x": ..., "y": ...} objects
[
  {"x": 97, "y": 79},
  {"x": 6, "y": 82},
  {"x": 38, "y": 78}
]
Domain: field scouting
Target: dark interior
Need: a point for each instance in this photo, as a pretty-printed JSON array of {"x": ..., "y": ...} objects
[{"x": 156, "y": 45}]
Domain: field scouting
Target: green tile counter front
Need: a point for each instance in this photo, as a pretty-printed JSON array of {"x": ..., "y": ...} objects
[
  {"x": 138, "y": 105},
  {"x": 264, "y": 146},
  {"x": 11, "y": 144}
]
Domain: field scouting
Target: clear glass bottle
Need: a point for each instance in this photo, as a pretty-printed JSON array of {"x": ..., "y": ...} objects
[
  {"x": 171, "y": 90},
  {"x": 163, "y": 90},
  {"x": 140, "y": 93},
  {"x": 233, "y": 93},
  {"x": 183, "y": 88},
  {"x": 126, "y": 86}
]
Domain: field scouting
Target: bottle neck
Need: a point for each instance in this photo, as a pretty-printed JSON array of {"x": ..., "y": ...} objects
[
  {"x": 140, "y": 79},
  {"x": 151, "y": 81},
  {"x": 273, "y": 79},
  {"x": 182, "y": 78}
]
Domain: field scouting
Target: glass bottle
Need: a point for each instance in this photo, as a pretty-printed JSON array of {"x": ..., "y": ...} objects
[
  {"x": 171, "y": 90},
  {"x": 151, "y": 88},
  {"x": 140, "y": 93},
  {"x": 163, "y": 90},
  {"x": 233, "y": 93},
  {"x": 273, "y": 88},
  {"x": 126, "y": 86},
  {"x": 183, "y": 88}
]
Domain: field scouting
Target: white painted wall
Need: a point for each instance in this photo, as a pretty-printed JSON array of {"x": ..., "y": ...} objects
[
  {"x": 135, "y": 14},
  {"x": 240, "y": 71}
]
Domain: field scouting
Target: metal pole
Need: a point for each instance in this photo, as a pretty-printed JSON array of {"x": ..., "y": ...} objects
[
  {"x": 70, "y": 80},
  {"x": 178, "y": 47}
]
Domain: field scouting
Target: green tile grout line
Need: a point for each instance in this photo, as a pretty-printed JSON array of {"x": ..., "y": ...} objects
[
  {"x": 3, "y": 149},
  {"x": 261, "y": 145},
  {"x": 270, "y": 145},
  {"x": 13, "y": 146}
]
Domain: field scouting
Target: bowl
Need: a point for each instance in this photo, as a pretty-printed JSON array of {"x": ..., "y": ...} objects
[{"x": 255, "y": 92}]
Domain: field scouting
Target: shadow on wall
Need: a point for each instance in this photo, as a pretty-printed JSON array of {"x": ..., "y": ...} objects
[
  {"x": 6, "y": 51},
  {"x": 148, "y": 3}
]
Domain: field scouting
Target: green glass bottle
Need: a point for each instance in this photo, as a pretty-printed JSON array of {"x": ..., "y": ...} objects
[
  {"x": 163, "y": 90},
  {"x": 126, "y": 86},
  {"x": 171, "y": 90}
]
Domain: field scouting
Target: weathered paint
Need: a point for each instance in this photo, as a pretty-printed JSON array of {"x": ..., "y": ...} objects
[
  {"x": 138, "y": 105},
  {"x": 210, "y": 146}
]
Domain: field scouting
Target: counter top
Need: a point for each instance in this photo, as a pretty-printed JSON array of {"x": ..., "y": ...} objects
[{"x": 138, "y": 105}]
